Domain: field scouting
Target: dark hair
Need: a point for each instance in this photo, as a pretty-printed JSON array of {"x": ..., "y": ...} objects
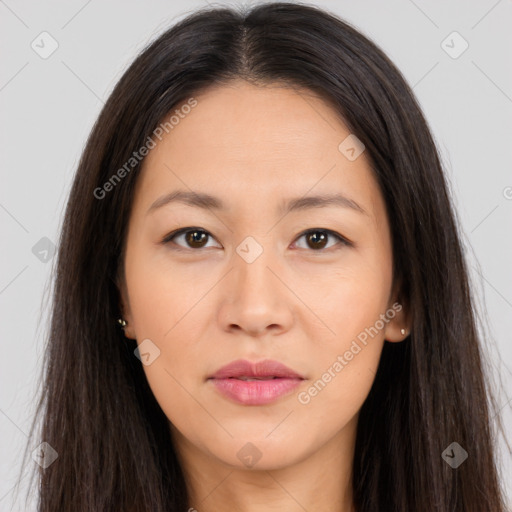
[{"x": 112, "y": 438}]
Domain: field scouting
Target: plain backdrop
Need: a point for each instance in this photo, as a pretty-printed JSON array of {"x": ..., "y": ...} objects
[{"x": 60, "y": 61}]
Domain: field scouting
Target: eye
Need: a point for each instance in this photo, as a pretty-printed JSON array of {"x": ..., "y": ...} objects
[
  {"x": 317, "y": 238},
  {"x": 196, "y": 238}
]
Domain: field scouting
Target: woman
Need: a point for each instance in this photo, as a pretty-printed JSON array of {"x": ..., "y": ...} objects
[{"x": 261, "y": 292}]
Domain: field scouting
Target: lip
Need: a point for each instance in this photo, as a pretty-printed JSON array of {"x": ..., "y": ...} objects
[{"x": 277, "y": 380}]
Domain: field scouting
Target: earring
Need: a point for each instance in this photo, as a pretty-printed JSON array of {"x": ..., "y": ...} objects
[
  {"x": 402, "y": 332},
  {"x": 123, "y": 323}
]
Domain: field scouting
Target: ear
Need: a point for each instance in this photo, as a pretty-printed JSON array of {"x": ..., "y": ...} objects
[
  {"x": 124, "y": 306},
  {"x": 399, "y": 314}
]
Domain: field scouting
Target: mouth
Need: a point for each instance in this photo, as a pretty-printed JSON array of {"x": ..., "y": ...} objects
[
  {"x": 260, "y": 383},
  {"x": 255, "y": 378},
  {"x": 262, "y": 370}
]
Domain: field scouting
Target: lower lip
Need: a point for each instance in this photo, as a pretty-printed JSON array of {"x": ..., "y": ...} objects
[{"x": 255, "y": 392}]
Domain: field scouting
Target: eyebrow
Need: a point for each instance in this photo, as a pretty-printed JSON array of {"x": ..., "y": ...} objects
[{"x": 207, "y": 201}]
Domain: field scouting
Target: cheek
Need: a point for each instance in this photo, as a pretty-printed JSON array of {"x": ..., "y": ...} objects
[
  {"x": 165, "y": 306},
  {"x": 348, "y": 299},
  {"x": 345, "y": 363},
  {"x": 162, "y": 293},
  {"x": 330, "y": 404},
  {"x": 347, "y": 354}
]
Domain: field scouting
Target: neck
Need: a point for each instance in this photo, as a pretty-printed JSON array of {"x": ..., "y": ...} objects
[{"x": 320, "y": 481}]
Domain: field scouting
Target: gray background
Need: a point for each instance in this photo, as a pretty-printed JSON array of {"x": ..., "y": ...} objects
[{"x": 49, "y": 105}]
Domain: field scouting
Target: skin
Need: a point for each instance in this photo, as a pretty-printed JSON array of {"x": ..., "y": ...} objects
[{"x": 203, "y": 307}]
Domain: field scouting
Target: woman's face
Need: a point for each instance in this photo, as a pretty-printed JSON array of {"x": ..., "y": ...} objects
[{"x": 247, "y": 281}]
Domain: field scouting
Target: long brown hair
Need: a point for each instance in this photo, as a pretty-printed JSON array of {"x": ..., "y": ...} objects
[{"x": 98, "y": 412}]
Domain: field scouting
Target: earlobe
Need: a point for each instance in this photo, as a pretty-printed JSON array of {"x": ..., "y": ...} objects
[
  {"x": 125, "y": 320},
  {"x": 128, "y": 332},
  {"x": 395, "y": 333},
  {"x": 398, "y": 328}
]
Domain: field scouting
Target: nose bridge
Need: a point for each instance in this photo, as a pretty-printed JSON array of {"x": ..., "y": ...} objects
[
  {"x": 257, "y": 297},
  {"x": 252, "y": 261}
]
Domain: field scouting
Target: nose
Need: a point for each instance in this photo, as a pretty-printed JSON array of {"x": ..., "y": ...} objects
[{"x": 256, "y": 299}]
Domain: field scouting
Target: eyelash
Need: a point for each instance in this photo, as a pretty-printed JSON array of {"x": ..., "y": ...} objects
[{"x": 168, "y": 238}]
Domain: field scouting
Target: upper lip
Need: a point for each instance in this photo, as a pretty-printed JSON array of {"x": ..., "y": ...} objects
[{"x": 265, "y": 368}]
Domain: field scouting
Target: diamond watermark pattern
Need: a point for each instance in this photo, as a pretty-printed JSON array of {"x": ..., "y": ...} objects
[
  {"x": 44, "y": 249},
  {"x": 454, "y": 455},
  {"x": 147, "y": 352},
  {"x": 454, "y": 45},
  {"x": 249, "y": 454},
  {"x": 44, "y": 45},
  {"x": 249, "y": 249},
  {"x": 44, "y": 455},
  {"x": 351, "y": 147}
]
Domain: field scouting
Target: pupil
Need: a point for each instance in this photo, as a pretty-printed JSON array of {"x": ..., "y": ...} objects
[
  {"x": 194, "y": 237},
  {"x": 322, "y": 238}
]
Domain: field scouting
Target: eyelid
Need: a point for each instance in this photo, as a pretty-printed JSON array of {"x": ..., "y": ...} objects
[
  {"x": 168, "y": 238},
  {"x": 330, "y": 232}
]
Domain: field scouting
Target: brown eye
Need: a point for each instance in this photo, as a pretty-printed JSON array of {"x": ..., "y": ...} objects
[
  {"x": 317, "y": 239},
  {"x": 194, "y": 238}
]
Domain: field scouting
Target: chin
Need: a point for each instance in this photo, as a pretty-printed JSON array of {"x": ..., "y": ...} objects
[{"x": 258, "y": 453}]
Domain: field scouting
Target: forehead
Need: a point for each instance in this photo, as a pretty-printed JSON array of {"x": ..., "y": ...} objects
[
  {"x": 256, "y": 142},
  {"x": 239, "y": 120}
]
